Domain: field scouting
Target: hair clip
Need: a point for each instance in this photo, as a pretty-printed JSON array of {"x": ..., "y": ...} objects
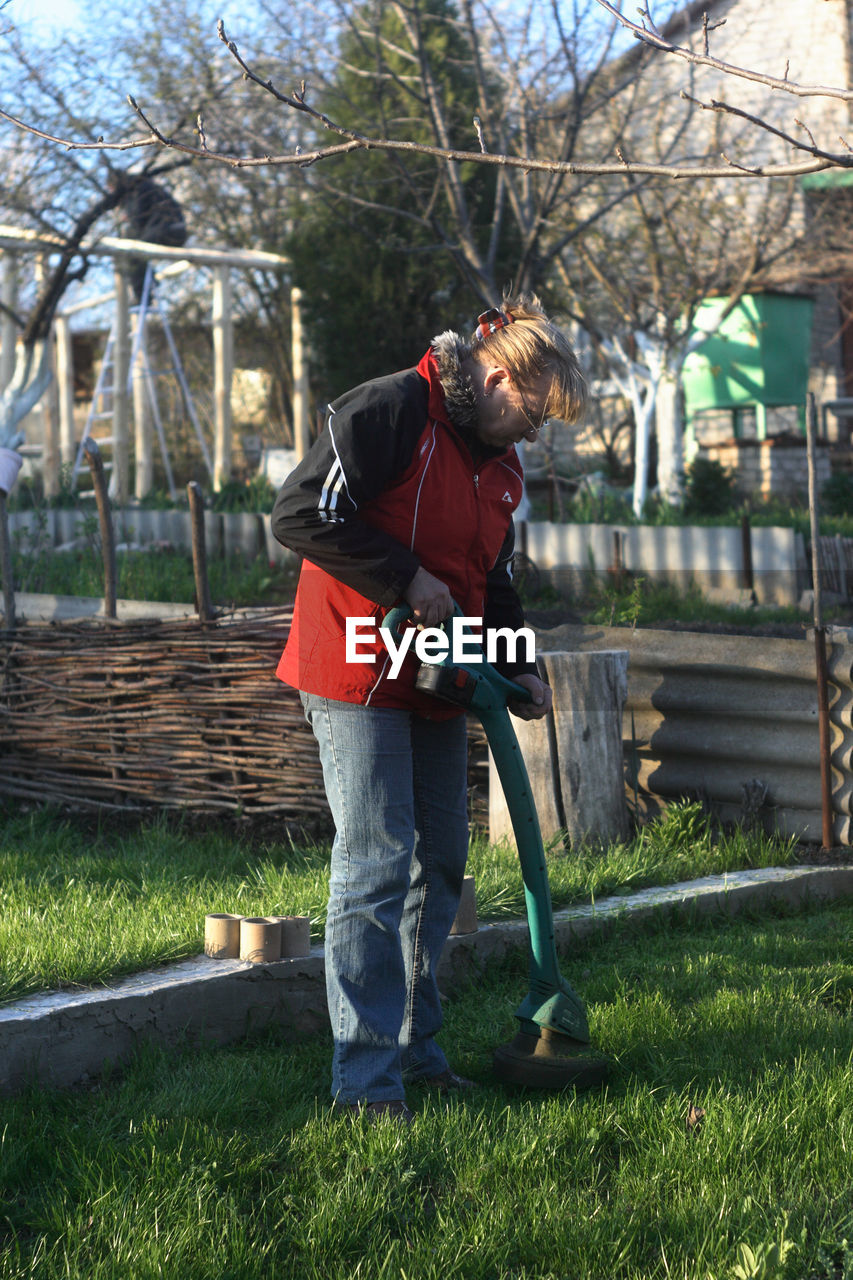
[{"x": 489, "y": 322}]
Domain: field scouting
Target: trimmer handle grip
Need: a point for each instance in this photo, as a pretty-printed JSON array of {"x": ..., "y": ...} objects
[
  {"x": 395, "y": 617},
  {"x": 401, "y": 613},
  {"x": 508, "y": 689}
]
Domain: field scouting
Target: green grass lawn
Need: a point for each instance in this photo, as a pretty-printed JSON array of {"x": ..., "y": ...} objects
[
  {"x": 230, "y": 1164},
  {"x": 78, "y": 907}
]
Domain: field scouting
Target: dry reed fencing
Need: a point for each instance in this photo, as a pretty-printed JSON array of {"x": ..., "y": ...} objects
[
  {"x": 835, "y": 559},
  {"x": 172, "y": 714},
  {"x": 180, "y": 715}
]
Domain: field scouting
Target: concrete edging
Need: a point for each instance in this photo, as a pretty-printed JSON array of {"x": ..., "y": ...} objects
[{"x": 61, "y": 1038}]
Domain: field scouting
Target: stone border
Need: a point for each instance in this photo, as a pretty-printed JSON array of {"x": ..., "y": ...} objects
[{"x": 62, "y": 1038}]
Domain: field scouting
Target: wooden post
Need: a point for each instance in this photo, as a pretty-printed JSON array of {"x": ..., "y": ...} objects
[
  {"x": 6, "y": 567},
  {"x": 108, "y": 546},
  {"x": 8, "y": 328},
  {"x": 202, "y": 583},
  {"x": 119, "y": 486},
  {"x": 746, "y": 548},
  {"x": 617, "y": 568},
  {"x": 59, "y": 450},
  {"x": 301, "y": 422},
  {"x": 821, "y": 676},
  {"x": 574, "y": 757},
  {"x": 223, "y": 371},
  {"x": 142, "y": 424}
]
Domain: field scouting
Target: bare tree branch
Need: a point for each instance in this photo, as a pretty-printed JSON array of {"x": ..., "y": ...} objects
[
  {"x": 816, "y": 158},
  {"x": 648, "y": 34},
  {"x": 99, "y": 144},
  {"x": 727, "y": 108}
]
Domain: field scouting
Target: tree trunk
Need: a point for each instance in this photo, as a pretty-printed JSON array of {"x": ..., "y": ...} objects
[
  {"x": 644, "y": 409},
  {"x": 8, "y": 328},
  {"x": 223, "y": 369},
  {"x": 301, "y": 414},
  {"x": 29, "y": 382},
  {"x": 574, "y": 757},
  {"x": 670, "y": 437}
]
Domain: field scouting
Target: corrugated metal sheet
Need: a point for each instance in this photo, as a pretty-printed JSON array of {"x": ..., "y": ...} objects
[
  {"x": 839, "y": 659},
  {"x": 712, "y": 557},
  {"x": 726, "y": 718}
]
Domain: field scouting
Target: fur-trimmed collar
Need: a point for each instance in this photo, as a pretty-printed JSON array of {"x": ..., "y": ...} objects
[{"x": 450, "y": 350}]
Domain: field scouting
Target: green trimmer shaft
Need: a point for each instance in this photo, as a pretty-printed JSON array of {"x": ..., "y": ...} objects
[{"x": 552, "y": 1047}]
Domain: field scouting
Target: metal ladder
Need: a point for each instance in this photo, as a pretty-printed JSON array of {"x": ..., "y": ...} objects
[{"x": 102, "y": 399}]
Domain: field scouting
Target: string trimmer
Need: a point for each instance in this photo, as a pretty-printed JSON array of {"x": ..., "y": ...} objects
[{"x": 552, "y": 1047}]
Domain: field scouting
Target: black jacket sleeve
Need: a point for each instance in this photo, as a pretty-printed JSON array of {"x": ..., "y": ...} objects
[
  {"x": 504, "y": 609},
  {"x": 369, "y": 440}
]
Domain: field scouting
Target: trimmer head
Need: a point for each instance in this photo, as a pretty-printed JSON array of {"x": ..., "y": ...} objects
[{"x": 548, "y": 1060}]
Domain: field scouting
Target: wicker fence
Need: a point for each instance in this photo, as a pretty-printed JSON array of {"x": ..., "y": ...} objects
[
  {"x": 179, "y": 715},
  {"x": 165, "y": 714},
  {"x": 185, "y": 715}
]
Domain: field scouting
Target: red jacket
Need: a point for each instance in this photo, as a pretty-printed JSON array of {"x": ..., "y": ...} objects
[{"x": 392, "y": 485}]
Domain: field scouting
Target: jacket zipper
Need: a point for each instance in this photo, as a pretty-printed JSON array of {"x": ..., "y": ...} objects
[{"x": 476, "y": 475}]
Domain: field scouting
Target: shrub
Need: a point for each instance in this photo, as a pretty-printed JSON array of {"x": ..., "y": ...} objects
[
  {"x": 254, "y": 495},
  {"x": 710, "y": 489},
  {"x": 836, "y": 496}
]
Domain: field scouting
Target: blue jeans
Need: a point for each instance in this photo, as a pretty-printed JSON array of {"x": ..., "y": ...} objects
[{"x": 397, "y": 787}]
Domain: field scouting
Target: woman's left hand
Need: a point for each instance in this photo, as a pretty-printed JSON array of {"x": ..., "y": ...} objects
[{"x": 542, "y": 699}]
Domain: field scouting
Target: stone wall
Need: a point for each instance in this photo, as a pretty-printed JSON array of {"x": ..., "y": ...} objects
[{"x": 777, "y": 466}]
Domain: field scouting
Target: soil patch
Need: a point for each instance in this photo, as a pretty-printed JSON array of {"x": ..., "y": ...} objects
[{"x": 810, "y": 855}]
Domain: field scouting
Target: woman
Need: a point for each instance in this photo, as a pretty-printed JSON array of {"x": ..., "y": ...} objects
[{"x": 407, "y": 496}]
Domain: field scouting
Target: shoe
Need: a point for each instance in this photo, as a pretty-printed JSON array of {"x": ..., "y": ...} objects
[
  {"x": 446, "y": 1082},
  {"x": 395, "y": 1110}
]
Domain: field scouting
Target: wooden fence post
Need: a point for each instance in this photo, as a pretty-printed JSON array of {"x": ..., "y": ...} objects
[
  {"x": 223, "y": 371},
  {"x": 108, "y": 546},
  {"x": 202, "y": 583},
  {"x": 8, "y": 328}
]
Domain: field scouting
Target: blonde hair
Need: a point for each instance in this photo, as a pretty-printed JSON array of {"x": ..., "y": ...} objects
[{"x": 528, "y": 344}]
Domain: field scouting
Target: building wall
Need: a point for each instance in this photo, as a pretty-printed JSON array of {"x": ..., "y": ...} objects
[
  {"x": 762, "y": 468},
  {"x": 805, "y": 41},
  {"x": 809, "y": 43}
]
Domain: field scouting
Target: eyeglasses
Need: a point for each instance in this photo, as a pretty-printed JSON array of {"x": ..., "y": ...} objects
[{"x": 526, "y": 411}]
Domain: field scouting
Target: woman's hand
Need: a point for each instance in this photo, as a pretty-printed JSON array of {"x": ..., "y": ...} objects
[
  {"x": 542, "y": 698},
  {"x": 430, "y": 599}
]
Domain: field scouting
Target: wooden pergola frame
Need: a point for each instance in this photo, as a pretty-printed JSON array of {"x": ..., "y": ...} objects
[{"x": 60, "y": 442}]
